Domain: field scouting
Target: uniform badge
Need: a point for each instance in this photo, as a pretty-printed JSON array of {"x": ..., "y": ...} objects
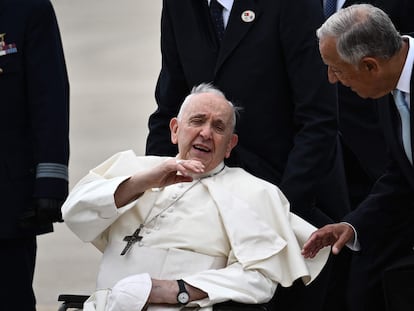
[{"x": 6, "y": 48}]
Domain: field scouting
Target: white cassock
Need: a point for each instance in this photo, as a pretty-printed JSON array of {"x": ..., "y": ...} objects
[{"x": 231, "y": 235}]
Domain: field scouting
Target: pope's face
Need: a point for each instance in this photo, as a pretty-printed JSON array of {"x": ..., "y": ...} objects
[
  {"x": 204, "y": 131},
  {"x": 364, "y": 79}
]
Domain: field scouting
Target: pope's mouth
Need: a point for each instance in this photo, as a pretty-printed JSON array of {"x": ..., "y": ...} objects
[{"x": 201, "y": 148}]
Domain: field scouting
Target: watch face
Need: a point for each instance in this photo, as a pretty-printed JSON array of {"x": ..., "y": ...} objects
[{"x": 183, "y": 297}]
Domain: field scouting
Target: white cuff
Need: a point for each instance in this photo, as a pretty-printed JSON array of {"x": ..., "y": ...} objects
[{"x": 353, "y": 245}]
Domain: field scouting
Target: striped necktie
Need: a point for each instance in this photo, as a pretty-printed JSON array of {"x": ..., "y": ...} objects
[
  {"x": 404, "y": 111},
  {"x": 216, "y": 11},
  {"x": 329, "y": 8}
]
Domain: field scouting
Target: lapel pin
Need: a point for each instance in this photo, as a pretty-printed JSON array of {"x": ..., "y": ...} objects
[{"x": 248, "y": 16}]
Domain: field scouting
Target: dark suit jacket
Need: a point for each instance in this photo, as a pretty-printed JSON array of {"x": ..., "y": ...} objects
[
  {"x": 272, "y": 68},
  {"x": 358, "y": 117},
  {"x": 34, "y": 124},
  {"x": 385, "y": 220}
]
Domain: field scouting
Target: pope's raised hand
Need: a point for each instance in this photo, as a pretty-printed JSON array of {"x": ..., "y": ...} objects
[
  {"x": 175, "y": 171},
  {"x": 167, "y": 173}
]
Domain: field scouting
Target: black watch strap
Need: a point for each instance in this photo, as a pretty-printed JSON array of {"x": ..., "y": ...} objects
[{"x": 183, "y": 297}]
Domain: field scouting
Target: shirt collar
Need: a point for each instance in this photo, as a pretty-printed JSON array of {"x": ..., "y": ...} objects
[
  {"x": 227, "y": 4},
  {"x": 405, "y": 77}
]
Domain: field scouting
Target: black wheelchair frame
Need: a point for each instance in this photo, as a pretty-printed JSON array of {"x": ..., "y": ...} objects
[{"x": 76, "y": 302}]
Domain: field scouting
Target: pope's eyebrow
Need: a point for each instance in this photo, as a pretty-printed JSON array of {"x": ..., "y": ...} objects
[{"x": 197, "y": 116}]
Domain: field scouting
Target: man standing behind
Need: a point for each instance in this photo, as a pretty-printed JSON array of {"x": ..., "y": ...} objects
[
  {"x": 364, "y": 51},
  {"x": 255, "y": 52},
  {"x": 34, "y": 126}
]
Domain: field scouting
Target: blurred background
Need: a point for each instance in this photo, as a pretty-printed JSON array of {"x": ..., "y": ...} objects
[{"x": 113, "y": 59}]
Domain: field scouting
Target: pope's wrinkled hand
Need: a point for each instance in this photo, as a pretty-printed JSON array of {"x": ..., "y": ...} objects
[
  {"x": 167, "y": 173},
  {"x": 174, "y": 171}
]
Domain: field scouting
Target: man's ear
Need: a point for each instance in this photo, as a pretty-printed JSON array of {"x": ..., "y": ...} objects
[
  {"x": 369, "y": 64},
  {"x": 232, "y": 143},
  {"x": 174, "y": 130}
]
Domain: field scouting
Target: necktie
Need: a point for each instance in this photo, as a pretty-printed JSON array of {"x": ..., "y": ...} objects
[
  {"x": 405, "y": 122},
  {"x": 216, "y": 11},
  {"x": 329, "y": 8}
]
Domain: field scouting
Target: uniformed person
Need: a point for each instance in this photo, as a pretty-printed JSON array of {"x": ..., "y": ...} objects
[{"x": 34, "y": 130}]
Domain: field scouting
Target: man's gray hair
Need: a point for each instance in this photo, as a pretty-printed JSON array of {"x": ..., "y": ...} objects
[
  {"x": 209, "y": 88},
  {"x": 361, "y": 30}
]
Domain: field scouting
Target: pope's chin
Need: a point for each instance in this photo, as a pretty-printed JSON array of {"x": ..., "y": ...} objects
[{"x": 200, "y": 155}]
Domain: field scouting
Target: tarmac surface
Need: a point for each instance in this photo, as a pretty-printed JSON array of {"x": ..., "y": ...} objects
[{"x": 113, "y": 59}]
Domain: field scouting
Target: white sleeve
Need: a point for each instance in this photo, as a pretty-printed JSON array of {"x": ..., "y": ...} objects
[
  {"x": 90, "y": 207},
  {"x": 232, "y": 283}
]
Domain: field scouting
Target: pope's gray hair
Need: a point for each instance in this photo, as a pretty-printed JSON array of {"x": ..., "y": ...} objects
[
  {"x": 208, "y": 88},
  {"x": 361, "y": 30}
]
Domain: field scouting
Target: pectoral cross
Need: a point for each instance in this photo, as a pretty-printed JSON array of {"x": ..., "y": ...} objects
[{"x": 131, "y": 239}]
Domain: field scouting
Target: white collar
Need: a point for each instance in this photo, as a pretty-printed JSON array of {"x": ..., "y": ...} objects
[
  {"x": 211, "y": 173},
  {"x": 227, "y": 4},
  {"x": 405, "y": 77}
]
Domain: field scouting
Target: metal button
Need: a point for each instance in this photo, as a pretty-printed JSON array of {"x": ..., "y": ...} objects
[{"x": 1, "y": 70}]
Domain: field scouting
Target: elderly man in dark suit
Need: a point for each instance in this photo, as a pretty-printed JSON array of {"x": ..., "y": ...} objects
[
  {"x": 358, "y": 117},
  {"x": 358, "y": 123},
  {"x": 364, "y": 51},
  {"x": 34, "y": 154},
  {"x": 264, "y": 57}
]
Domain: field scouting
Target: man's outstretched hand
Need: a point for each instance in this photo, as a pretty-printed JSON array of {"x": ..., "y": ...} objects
[{"x": 336, "y": 235}]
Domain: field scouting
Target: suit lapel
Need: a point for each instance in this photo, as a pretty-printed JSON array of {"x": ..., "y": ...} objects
[{"x": 236, "y": 28}]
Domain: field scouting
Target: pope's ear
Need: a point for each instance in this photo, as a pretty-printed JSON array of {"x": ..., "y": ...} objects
[
  {"x": 174, "y": 130},
  {"x": 232, "y": 143}
]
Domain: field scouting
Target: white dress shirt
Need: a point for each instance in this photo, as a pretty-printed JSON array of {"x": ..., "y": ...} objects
[{"x": 405, "y": 77}]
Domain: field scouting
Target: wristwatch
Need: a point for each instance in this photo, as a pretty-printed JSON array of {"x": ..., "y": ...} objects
[{"x": 183, "y": 297}]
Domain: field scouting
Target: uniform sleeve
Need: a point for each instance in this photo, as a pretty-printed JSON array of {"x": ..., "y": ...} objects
[{"x": 48, "y": 97}]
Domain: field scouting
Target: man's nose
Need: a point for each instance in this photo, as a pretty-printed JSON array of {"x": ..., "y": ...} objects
[{"x": 206, "y": 131}]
